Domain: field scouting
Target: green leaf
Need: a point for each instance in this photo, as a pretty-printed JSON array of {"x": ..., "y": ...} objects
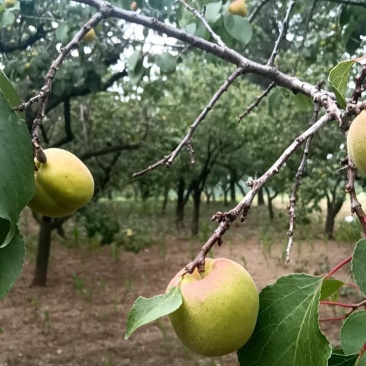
[
  {"x": 11, "y": 262},
  {"x": 7, "y": 18},
  {"x": 212, "y": 14},
  {"x": 274, "y": 102},
  {"x": 353, "y": 335},
  {"x": 338, "y": 78},
  {"x": 329, "y": 287},
  {"x": 9, "y": 92},
  {"x": 287, "y": 330},
  {"x": 191, "y": 28},
  {"x": 62, "y": 32},
  {"x": 303, "y": 103},
  {"x": 16, "y": 159},
  {"x": 342, "y": 360},
  {"x": 144, "y": 310},
  {"x": 166, "y": 62},
  {"x": 136, "y": 75},
  {"x": 239, "y": 28},
  {"x": 133, "y": 60},
  {"x": 358, "y": 264}
]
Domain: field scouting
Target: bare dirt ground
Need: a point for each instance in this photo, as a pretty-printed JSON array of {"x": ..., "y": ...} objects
[{"x": 79, "y": 318}]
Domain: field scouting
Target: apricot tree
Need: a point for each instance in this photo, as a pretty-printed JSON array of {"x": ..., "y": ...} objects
[{"x": 287, "y": 330}]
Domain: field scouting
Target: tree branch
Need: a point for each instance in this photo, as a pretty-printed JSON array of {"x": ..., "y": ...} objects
[
  {"x": 229, "y": 55},
  {"x": 169, "y": 159},
  {"x": 257, "y": 101},
  {"x": 282, "y": 34},
  {"x": 347, "y": 2},
  {"x": 23, "y": 44},
  {"x": 204, "y": 21},
  {"x": 297, "y": 183},
  {"x": 257, "y": 10},
  {"x": 226, "y": 218},
  {"x": 69, "y": 136},
  {"x": 108, "y": 150},
  {"x": 43, "y": 95}
]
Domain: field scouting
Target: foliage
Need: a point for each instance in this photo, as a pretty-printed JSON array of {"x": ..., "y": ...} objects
[
  {"x": 97, "y": 220},
  {"x": 349, "y": 231}
]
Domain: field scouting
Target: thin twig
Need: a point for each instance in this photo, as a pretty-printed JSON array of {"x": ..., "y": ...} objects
[
  {"x": 257, "y": 102},
  {"x": 168, "y": 159},
  {"x": 226, "y": 218},
  {"x": 283, "y": 32},
  {"x": 257, "y": 10},
  {"x": 204, "y": 21},
  {"x": 297, "y": 183},
  {"x": 359, "y": 87},
  {"x": 305, "y": 33},
  {"x": 43, "y": 95}
]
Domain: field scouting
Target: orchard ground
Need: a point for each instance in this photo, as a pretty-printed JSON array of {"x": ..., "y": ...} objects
[{"x": 79, "y": 318}]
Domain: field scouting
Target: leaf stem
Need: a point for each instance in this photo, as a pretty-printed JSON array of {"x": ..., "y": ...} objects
[
  {"x": 338, "y": 266},
  {"x": 342, "y": 304}
]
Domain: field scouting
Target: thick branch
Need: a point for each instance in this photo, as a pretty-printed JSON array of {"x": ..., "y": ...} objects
[
  {"x": 82, "y": 90},
  {"x": 223, "y": 53},
  {"x": 108, "y": 150},
  {"x": 67, "y": 123},
  {"x": 348, "y": 2},
  {"x": 23, "y": 44}
]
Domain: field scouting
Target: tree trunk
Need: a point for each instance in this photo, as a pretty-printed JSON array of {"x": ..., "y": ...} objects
[
  {"x": 43, "y": 253},
  {"x": 260, "y": 196},
  {"x": 270, "y": 206},
  {"x": 179, "y": 218},
  {"x": 165, "y": 200},
  {"x": 196, "y": 211},
  {"x": 233, "y": 179},
  {"x": 225, "y": 191},
  {"x": 208, "y": 198},
  {"x": 241, "y": 189},
  {"x": 60, "y": 230},
  {"x": 332, "y": 210}
]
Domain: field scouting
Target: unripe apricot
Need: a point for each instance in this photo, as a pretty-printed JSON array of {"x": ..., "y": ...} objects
[
  {"x": 356, "y": 142},
  {"x": 90, "y": 36},
  {"x": 63, "y": 184},
  {"x": 238, "y": 7},
  {"x": 219, "y": 310},
  {"x": 9, "y": 3}
]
